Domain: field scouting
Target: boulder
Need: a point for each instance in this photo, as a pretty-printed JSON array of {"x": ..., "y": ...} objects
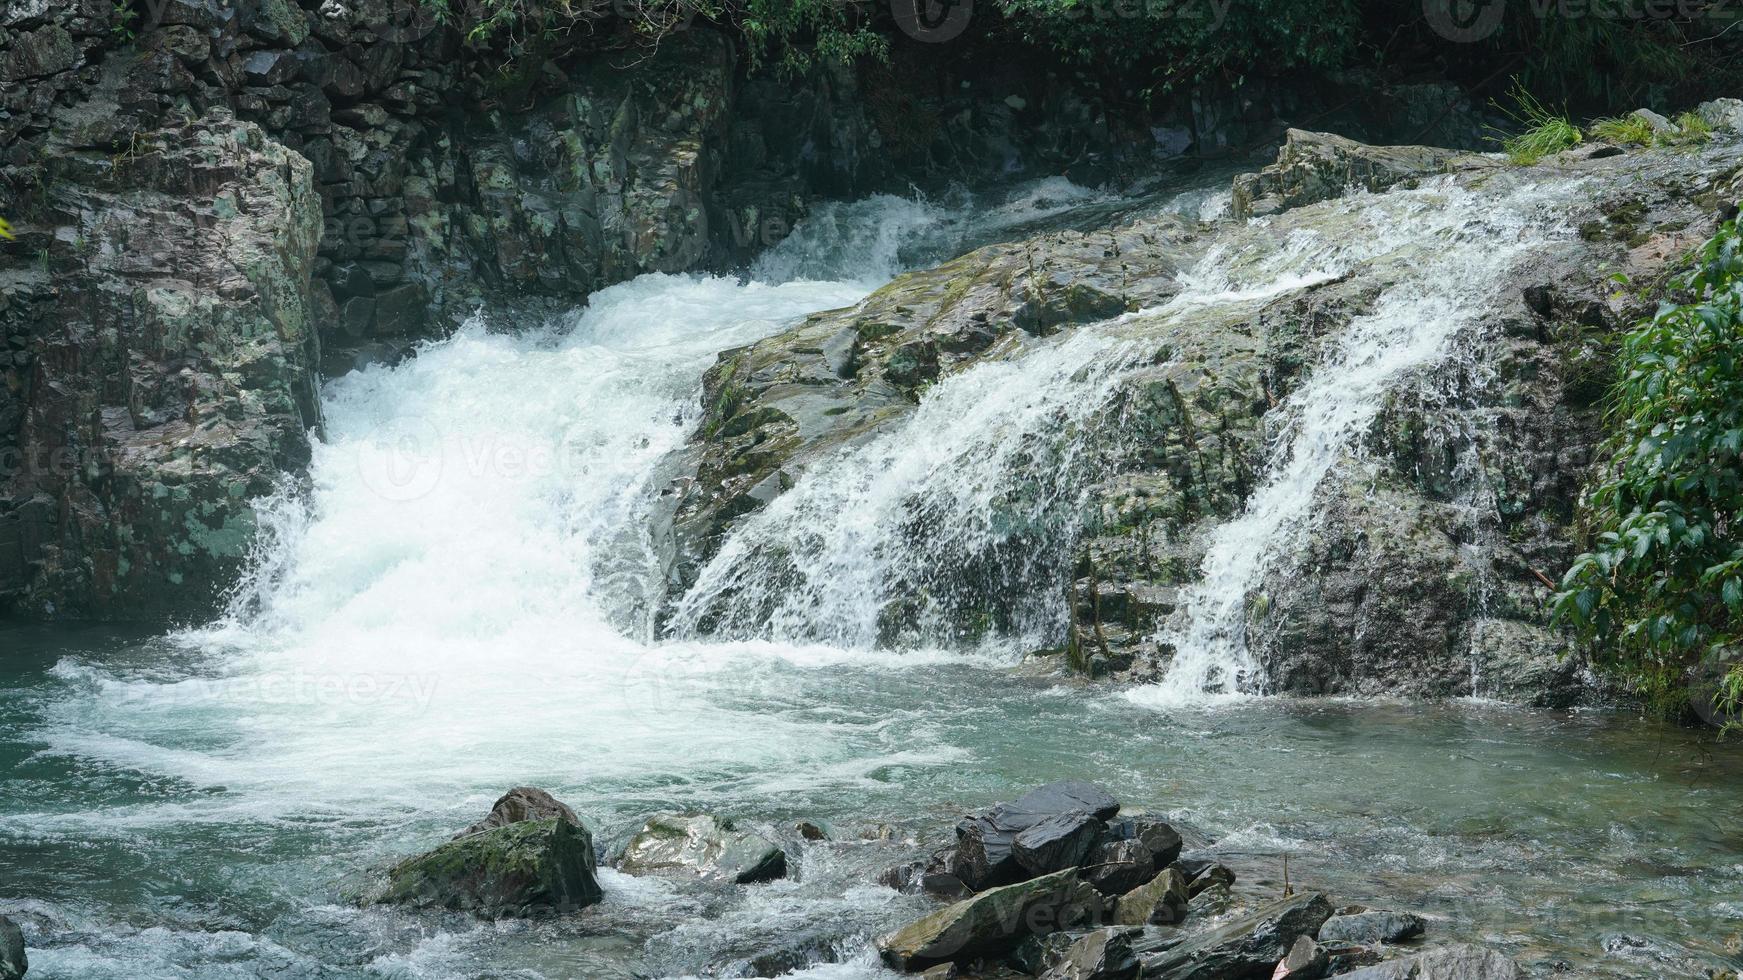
[
  {"x": 1659, "y": 124},
  {"x": 1161, "y": 901},
  {"x": 1063, "y": 817},
  {"x": 1316, "y": 166},
  {"x": 705, "y": 846},
  {"x": 992, "y": 922},
  {"x": 1104, "y": 954},
  {"x": 518, "y": 804},
  {"x": 1724, "y": 115},
  {"x": 1118, "y": 866},
  {"x": 1216, "y": 875},
  {"x": 1462, "y": 962},
  {"x": 1056, "y": 843},
  {"x": 1306, "y": 960},
  {"x": 1162, "y": 839},
  {"x": 1249, "y": 946},
  {"x": 1372, "y": 928},
  {"x": 13, "y": 962},
  {"x": 515, "y": 870}
]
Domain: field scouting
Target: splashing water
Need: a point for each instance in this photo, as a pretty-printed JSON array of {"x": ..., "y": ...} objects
[{"x": 1448, "y": 245}]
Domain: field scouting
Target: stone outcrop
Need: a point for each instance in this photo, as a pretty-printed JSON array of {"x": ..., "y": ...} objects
[
  {"x": 1316, "y": 166},
  {"x": 163, "y": 356},
  {"x": 1422, "y": 570}
]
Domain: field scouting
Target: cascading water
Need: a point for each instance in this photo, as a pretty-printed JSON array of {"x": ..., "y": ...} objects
[{"x": 1449, "y": 244}]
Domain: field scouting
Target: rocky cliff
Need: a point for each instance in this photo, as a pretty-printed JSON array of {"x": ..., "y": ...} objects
[{"x": 1431, "y": 539}]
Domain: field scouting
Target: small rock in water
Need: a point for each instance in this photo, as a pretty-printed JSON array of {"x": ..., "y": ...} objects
[
  {"x": 518, "y": 804},
  {"x": 13, "y": 962},
  {"x": 1105, "y": 954},
  {"x": 1116, "y": 867},
  {"x": 1215, "y": 876},
  {"x": 1372, "y": 928},
  {"x": 520, "y": 869},
  {"x": 992, "y": 922},
  {"x": 812, "y": 830},
  {"x": 1160, "y": 901},
  {"x": 704, "y": 846}
]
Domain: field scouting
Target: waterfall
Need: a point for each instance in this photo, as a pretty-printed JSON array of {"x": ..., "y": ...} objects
[{"x": 1446, "y": 247}]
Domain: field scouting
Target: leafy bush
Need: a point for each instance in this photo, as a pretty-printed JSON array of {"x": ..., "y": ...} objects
[{"x": 1660, "y": 595}]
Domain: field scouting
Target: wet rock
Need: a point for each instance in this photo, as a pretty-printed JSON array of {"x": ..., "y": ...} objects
[
  {"x": 1306, "y": 960},
  {"x": 1103, "y": 954},
  {"x": 1037, "y": 954},
  {"x": 992, "y": 922},
  {"x": 13, "y": 961},
  {"x": 516, "y": 870},
  {"x": 1371, "y": 928},
  {"x": 1246, "y": 947},
  {"x": 1462, "y": 962},
  {"x": 1116, "y": 867},
  {"x": 705, "y": 846},
  {"x": 518, "y": 804},
  {"x": 812, "y": 830},
  {"x": 1160, "y": 901},
  {"x": 1216, "y": 875},
  {"x": 1162, "y": 840},
  {"x": 1056, "y": 842},
  {"x": 1060, "y": 819},
  {"x": 1316, "y": 166}
]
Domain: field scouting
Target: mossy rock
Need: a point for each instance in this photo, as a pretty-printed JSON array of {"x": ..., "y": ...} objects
[{"x": 517, "y": 870}]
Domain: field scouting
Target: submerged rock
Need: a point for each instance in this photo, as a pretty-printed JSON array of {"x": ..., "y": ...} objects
[
  {"x": 1249, "y": 946},
  {"x": 514, "y": 870},
  {"x": 1462, "y": 962},
  {"x": 1372, "y": 927},
  {"x": 992, "y": 922},
  {"x": 13, "y": 962},
  {"x": 702, "y": 845}
]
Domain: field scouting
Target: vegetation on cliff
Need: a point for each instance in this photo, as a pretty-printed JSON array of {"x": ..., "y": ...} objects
[{"x": 1660, "y": 594}]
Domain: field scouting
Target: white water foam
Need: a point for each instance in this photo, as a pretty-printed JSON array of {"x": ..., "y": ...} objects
[{"x": 1448, "y": 245}]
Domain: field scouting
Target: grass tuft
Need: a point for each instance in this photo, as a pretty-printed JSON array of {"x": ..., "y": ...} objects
[{"x": 1542, "y": 132}]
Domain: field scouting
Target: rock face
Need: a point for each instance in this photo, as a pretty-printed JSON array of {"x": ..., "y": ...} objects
[
  {"x": 993, "y": 921},
  {"x": 516, "y": 870},
  {"x": 165, "y": 366},
  {"x": 1420, "y": 570},
  {"x": 705, "y": 846},
  {"x": 13, "y": 963}
]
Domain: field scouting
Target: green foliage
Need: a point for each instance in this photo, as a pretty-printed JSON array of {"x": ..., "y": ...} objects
[
  {"x": 6, "y": 230},
  {"x": 1189, "y": 40},
  {"x": 1625, "y": 129},
  {"x": 1660, "y": 595},
  {"x": 1691, "y": 128},
  {"x": 1541, "y": 132}
]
